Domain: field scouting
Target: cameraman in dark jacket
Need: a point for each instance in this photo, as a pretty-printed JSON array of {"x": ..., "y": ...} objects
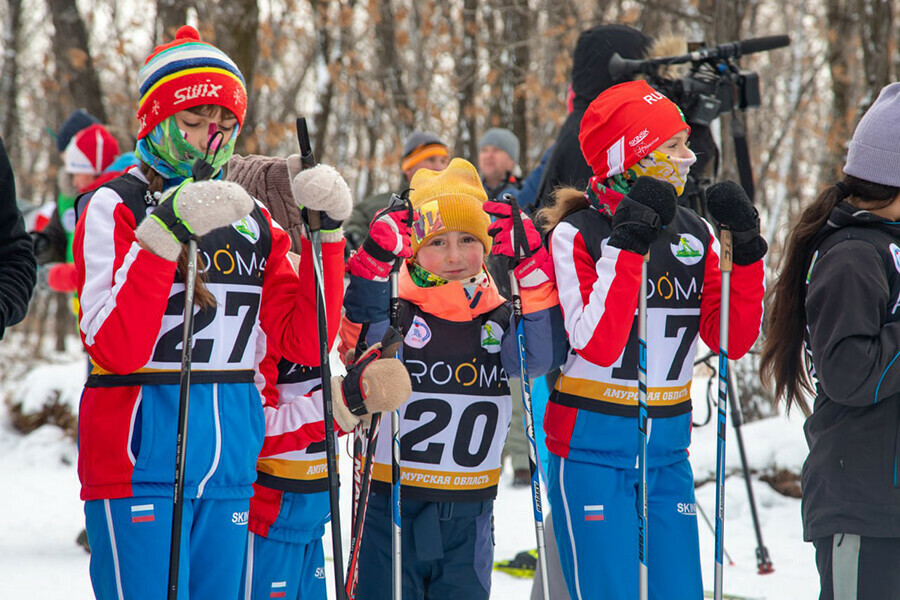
[
  {"x": 836, "y": 307},
  {"x": 17, "y": 266},
  {"x": 566, "y": 166}
]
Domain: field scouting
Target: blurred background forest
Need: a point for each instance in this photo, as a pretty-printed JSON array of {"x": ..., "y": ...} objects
[{"x": 368, "y": 72}]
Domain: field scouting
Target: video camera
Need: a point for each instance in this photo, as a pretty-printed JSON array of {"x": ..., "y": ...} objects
[{"x": 713, "y": 86}]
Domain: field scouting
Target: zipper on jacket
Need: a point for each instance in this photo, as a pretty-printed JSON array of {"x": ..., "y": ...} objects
[{"x": 218, "y": 453}]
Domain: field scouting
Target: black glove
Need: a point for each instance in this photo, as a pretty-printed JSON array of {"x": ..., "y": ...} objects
[
  {"x": 728, "y": 204},
  {"x": 641, "y": 215}
]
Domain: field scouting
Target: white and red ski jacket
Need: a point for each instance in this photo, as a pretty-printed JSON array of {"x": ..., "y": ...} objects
[
  {"x": 131, "y": 321},
  {"x": 293, "y": 459},
  {"x": 591, "y": 412}
]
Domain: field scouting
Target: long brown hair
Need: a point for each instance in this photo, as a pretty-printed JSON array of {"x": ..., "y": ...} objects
[
  {"x": 783, "y": 356},
  {"x": 202, "y": 296},
  {"x": 566, "y": 200}
]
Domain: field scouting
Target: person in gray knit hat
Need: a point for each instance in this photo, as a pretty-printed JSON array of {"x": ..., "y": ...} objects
[
  {"x": 498, "y": 157},
  {"x": 834, "y": 333},
  {"x": 421, "y": 150}
]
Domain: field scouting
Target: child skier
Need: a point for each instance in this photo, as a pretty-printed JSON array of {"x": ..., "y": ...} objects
[
  {"x": 599, "y": 237},
  {"x": 127, "y": 248},
  {"x": 459, "y": 348},
  {"x": 290, "y": 503}
]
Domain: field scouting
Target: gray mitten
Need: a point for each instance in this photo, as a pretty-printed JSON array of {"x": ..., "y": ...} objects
[
  {"x": 321, "y": 188},
  {"x": 194, "y": 209},
  {"x": 372, "y": 384}
]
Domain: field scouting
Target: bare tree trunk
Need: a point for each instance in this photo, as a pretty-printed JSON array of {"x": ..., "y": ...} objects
[
  {"x": 876, "y": 22},
  {"x": 517, "y": 23},
  {"x": 842, "y": 64},
  {"x": 390, "y": 66},
  {"x": 324, "y": 43},
  {"x": 74, "y": 66},
  {"x": 725, "y": 27},
  {"x": 235, "y": 24},
  {"x": 170, "y": 15},
  {"x": 9, "y": 82},
  {"x": 466, "y": 73}
]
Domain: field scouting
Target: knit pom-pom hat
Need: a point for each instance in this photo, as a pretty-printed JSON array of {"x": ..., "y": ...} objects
[
  {"x": 449, "y": 200},
  {"x": 185, "y": 73}
]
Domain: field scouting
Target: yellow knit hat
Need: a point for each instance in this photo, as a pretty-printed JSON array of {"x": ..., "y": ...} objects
[{"x": 449, "y": 200}]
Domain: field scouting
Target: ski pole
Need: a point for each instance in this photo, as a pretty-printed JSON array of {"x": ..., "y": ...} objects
[
  {"x": 396, "y": 531},
  {"x": 713, "y": 531},
  {"x": 390, "y": 343},
  {"x": 643, "y": 546},
  {"x": 314, "y": 224},
  {"x": 763, "y": 562},
  {"x": 392, "y": 339},
  {"x": 520, "y": 244},
  {"x": 725, "y": 262},
  {"x": 361, "y": 347},
  {"x": 201, "y": 170}
]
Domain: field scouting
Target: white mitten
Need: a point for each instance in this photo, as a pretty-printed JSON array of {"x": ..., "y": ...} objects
[
  {"x": 320, "y": 188},
  {"x": 194, "y": 209}
]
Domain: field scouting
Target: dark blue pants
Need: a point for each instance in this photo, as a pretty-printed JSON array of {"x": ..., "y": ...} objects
[{"x": 448, "y": 550}]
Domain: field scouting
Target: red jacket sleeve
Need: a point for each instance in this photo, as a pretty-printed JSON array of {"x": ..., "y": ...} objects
[
  {"x": 598, "y": 298},
  {"x": 123, "y": 289},
  {"x": 748, "y": 285},
  {"x": 288, "y": 311}
]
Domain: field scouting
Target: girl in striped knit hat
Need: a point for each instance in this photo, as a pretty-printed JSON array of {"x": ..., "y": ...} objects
[{"x": 130, "y": 255}]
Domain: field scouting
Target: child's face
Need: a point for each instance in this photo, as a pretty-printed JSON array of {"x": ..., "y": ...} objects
[
  {"x": 82, "y": 180},
  {"x": 454, "y": 255},
  {"x": 676, "y": 146},
  {"x": 196, "y": 127}
]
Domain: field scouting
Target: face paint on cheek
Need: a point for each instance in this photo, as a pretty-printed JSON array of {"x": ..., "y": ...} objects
[{"x": 214, "y": 140}]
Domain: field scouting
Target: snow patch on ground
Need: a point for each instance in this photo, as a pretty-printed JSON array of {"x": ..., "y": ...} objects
[{"x": 39, "y": 557}]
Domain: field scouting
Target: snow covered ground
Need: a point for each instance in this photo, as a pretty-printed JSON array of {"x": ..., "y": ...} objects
[{"x": 39, "y": 557}]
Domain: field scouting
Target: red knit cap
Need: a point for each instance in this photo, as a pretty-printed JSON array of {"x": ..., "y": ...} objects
[
  {"x": 91, "y": 150},
  {"x": 186, "y": 73},
  {"x": 626, "y": 123}
]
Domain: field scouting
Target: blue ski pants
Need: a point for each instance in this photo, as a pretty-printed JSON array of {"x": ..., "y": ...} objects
[
  {"x": 130, "y": 545},
  {"x": 595, "y": 518}
]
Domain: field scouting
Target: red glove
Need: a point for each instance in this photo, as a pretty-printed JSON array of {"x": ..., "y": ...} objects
[
  {"x": 518, "y": 239},
  {"x": 61, "y": 278},
  {"x": 387, "y": 242}
]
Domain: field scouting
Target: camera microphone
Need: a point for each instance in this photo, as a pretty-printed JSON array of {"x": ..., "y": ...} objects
[
  {"x": 624, "y": 67},
  {"x": 737, "y": 49}
]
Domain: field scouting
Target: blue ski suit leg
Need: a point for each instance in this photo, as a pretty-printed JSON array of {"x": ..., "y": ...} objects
[
  {"x": 130, "y": 542},
  {"x": 289, "y": 562},
  {"x": 595, "y": 523}
]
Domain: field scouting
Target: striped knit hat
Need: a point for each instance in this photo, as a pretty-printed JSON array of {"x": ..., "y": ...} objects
[{"x": 187, "y": 73}]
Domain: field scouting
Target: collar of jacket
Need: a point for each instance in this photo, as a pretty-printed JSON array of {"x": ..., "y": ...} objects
[
  {"x": 847, "y": 215},
  {"x": 449, "y": 301}
]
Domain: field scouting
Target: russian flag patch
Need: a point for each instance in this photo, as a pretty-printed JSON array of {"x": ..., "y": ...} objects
[
  {"x": 593, "y": 512},
  {"x": 278, "y": 589},
  {"x": 142, "y": 513}
]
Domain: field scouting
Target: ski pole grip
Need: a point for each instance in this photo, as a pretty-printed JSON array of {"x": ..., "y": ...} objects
[
  {"x": 520, "y": 240},
  {"x": 390, "y": 343},
  {"x": 314, "y": 220},
  {"x": 726, "y": 258},
  {"x": 306, "y": 154}
]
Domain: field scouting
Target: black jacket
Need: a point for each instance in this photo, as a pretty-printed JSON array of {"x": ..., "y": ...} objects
[
  {"x": 566, "y": 165},
  {"x": 851, "y": 478},
  {"x": 17, "y": 266}
]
